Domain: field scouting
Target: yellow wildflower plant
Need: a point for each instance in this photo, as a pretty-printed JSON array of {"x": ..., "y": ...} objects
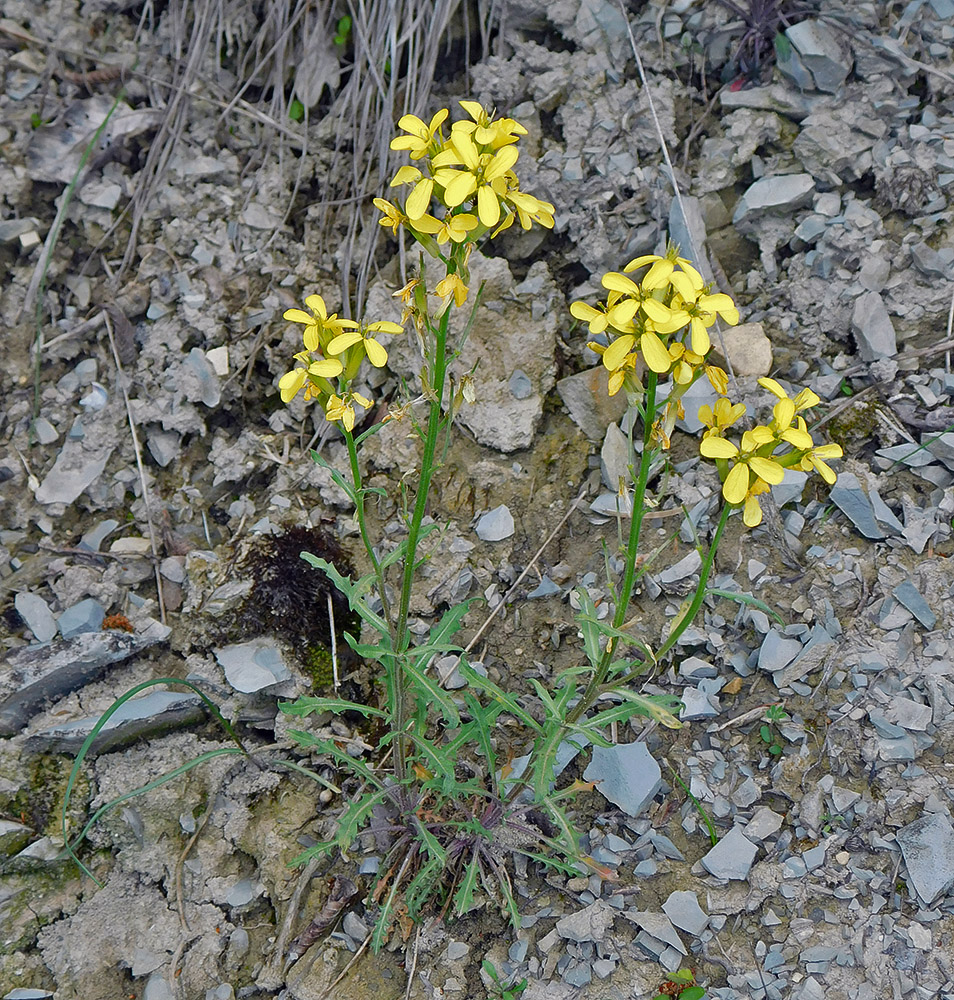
[
  {"x": 472, "y": 168},
  {"x": 751, "y": 469},
  {"x": 422, "y": 139},
  {"x": 664, "y": 315},
  {"x": 342, "y": 408},
  {"x": 319, "y": 326}
]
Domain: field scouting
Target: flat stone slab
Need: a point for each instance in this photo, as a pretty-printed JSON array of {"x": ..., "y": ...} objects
[
  {"x": 626, "y": 774},
  {"x": 928, "y": 848},
  {"x": 732, "y": 857},
  {"x": 35, "y": 676},
  {"x": 150, "y": 715}
]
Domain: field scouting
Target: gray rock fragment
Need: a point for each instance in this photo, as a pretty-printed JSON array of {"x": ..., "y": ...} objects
[
  {"x": 822, "y": 53},
  {"x": 254, "y": 665},
  {"x": 627, "y": 775},
  {"x": 163, "y": 446},
  {"x": 587, "y": 399},
  {"x": 34, "y": 676},
  {"x": 683, "y": 909},
  {"x": 37, "y": 615},
  {"x": 520, "y": 385},
  {"x": 659, "y": 926},
  {"x": 200, "y": 383},
  {"x": 45, "y": 432},
  {"x": 907, "y": 595},
  {"x": 74, "y": 470},
  {"x": 86, "y": 616},
  {"x": 495, "y": 525},
  {"x": 779, "y": 193},
  {"x": 850, "y": 498},
  {"x": 615, "y": 458},
  {"x": 589, "y": 924},
  {"x": 777, "y": 652},
  {"x": 732, "y": 857},
  {"x": 764, "y": 823},
  {"x": 154, "y": 713},
  {"x": 928, "y": 848},
  {"x": 872, "y": 327}
]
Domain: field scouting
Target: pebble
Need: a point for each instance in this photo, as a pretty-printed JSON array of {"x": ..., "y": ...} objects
[
  {"x": 781, "y": 193},
  {"x": 821, "y": 52},
  {"x": 588, "y": 924},
  {"x": 86, "y": 616},
  {"x": 683, "y": 909},
  {"x": 45, "y": 432},
  {"x": 626, "y": 774},
  {"x": 907, "y": 594},
  {"x": 74, "y": 470},
  {"x": 37, "y": 615},
  {"x": 149, "y": 715},
  {"x": 927, "y": 846},
  {"x": 732, "y": 856},
  {"x": 495, "y": 525},
  {"x": 253, "y": 666},
  {"x": 872, "y": 328},
  {"x": 163, "y": 446},
  {"x": 586, "y": 398},
  {"x": 849, "y": 496}
]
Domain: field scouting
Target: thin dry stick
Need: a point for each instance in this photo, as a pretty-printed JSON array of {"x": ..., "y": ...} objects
[
  {"x": 146, "y": 498},
  {"x": 334, "y": 641},
  {"x": 361, "y": 950},
  {"x": 473, "y": 642},
  {"x": 950, "y": 328},
  {"x": 180, "y": 862},
  {"x": 413, "y": 969}
]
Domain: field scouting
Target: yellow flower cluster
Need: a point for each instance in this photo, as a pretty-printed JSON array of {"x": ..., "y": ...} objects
[
  {"x": 751, "y": 468},
  {"x": 334, "y": 349},
  {"x": 469, "y": 173},
  {"x": 664, "y": 318}
]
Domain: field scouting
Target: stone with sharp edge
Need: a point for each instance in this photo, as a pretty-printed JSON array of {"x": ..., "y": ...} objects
[
  {"x": 627, "y": 775},
  {"x": 732, "y": 857}
]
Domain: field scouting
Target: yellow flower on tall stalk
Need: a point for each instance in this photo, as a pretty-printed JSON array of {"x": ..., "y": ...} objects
[
  {"x": 747, "y": 468},
  {"x": 454, "y": 228},
  {"x": 371, "y": 348},
  {"x": 485, "y": 130},
  {"x": 318, "y": 322},
  {"x": 719, "y": 417},
  {"x": 484, "y": 176},
  {"x": 422, "y": 138},
  {"x": 342, "y": 408},
  {"x": 393, "y": 219},
  {"x": 452, "y": 286}
]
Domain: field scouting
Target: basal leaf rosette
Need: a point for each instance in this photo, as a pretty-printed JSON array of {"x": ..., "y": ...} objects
[
  {"x": 334, "y": 351},
  {"x": 660, "y": 320},
  {"x": 751, "y": 468}
]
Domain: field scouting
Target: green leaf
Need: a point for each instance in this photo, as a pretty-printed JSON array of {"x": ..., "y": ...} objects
[
  {"x": 746, "y": 599},
  {"x": 296, "y": 110},
  {"x": 692, "y": 993},
  {"x": 661, "y": 707},
  {"x": 543, "y": 760},
  {"x": 307, "y": 706},
  {"x": 327, "y": 746},
  {"x": 766, "y": 733},
  {"x": 449, "y": 625},
  {"x": 589, "y": 627},
  {"x": 432, "y": 691},
  {"x": 352, "y": 591},
  {"x": 506, "y": 701},
  {"x": 464, "y": 897}
]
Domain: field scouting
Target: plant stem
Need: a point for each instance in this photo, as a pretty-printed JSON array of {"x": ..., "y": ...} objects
[
  {"x": 439, "y": 373},
  {"x": 697, "y": 599},
  {"x": 361, "y": 518},
  {"x": 595, "y": 684}
]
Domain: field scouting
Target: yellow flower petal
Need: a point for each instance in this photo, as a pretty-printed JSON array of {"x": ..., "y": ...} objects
[
  {"x": 736, "y": 484},
  {"x": 752, "y": 512},
  {"x": 419, "y": 199},
  {"x": 716, "y": 447},
  {"x": 458, "y": 188},
  {"x": 376, "y": 353},
  {"x": 290, "y": 383},
  {"x": 343, "y": 341},
  {"x": 297, "y": 316},
  {"x": 317, "y": 305},
  {"x": 656, "y": 355},
  {"x": 326, "y": 368},
  {"x": 766, "y": 469},
  {"x": 615, "y": 354},
  {"x": 488, "y": 205}
]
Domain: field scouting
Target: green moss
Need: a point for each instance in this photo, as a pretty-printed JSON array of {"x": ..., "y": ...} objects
[{"x": 316, "y": 662}]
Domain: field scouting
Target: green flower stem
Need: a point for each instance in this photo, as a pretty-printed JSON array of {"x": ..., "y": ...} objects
[
  {"x": 362, "y": 524},
  {"x": 701, "y": 586},
  {"x": 595, "y": 684},
  {"x": 697, "y": 599},
  {"x": 439, "y": 368}
]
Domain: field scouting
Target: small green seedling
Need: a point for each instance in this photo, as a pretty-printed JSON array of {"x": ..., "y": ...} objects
[
  {"x": 767, "y": 731},
  {"x": 682, "y": 985},
  {"x": 296, "y": 110},
  {"x": 344, "y": 31},
  {"x": 500, "y": 989}
]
